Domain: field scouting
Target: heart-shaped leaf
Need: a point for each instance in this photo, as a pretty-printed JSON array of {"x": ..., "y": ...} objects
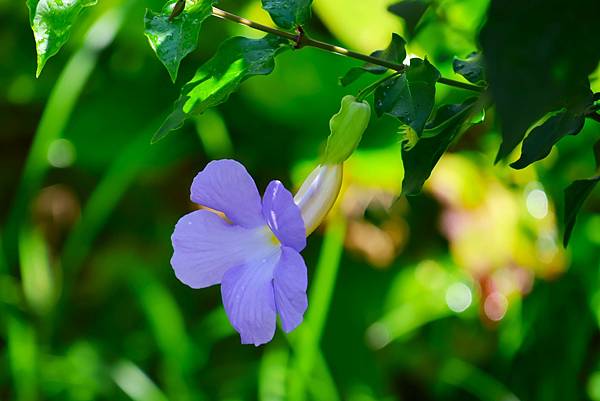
[
  {"x": 51, "y": 22},
  {"x": 236, "y": 60},
  {"x": 471, "y": 68},
  {"x": 411, "y": 96},
  {"x": 173, "y": 38},
  {"x": 288, "y": 14},
  {"x": 422, "y": 157}
]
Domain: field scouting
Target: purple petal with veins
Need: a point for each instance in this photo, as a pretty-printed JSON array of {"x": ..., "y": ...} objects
[{"x": 255, "y": 257}]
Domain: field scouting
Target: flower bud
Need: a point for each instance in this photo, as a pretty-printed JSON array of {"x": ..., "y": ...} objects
[
  {"x": 347, "y": 128},
  {"x": 318, "y": 193}
]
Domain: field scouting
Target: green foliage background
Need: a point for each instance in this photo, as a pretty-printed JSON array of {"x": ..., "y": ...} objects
[{"x": 90, "y": 308}]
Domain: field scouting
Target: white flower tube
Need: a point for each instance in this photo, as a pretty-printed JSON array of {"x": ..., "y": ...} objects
[{"x": 318, "y": 193}]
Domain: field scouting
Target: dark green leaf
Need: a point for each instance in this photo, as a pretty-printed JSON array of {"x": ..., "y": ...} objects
[
  {"x": 575, "y": 196},
  {"x": 420, "y": 160},
  {"x": 51, "y": 22},
  {"x": 539, "y": 142},
  {"x": 174, "y": 39},
  {"x": 411, "y": 11},
  {"x": 537, "y": 59},
  {"x": 471, "y": 68},
  {"x": 236, "y": 60},
  {"x": 411, "y": 96},
  {"x": 395, "y": 53},
  {"x": 288, "y": 14},
  {"x": 446, "y": 115}
]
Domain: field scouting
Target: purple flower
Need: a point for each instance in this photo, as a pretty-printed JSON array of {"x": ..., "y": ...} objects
[{"x": 255, "y": 258}]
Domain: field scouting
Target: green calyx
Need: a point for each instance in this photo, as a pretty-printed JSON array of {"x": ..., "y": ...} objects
[{"x": 347, "y": 127}]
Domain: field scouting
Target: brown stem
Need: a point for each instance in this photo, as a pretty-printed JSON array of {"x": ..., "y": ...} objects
[
  {"x": 217, "y": 12},
  {"x": 302, "y": 40}
]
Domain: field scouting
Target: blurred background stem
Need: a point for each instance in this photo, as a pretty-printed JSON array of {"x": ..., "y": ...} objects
[
  {"x": 56, "y": 115},
  {"x": 306, "y": 343}
]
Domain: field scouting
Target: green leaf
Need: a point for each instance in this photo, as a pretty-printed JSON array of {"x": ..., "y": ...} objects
[
  {"x": 575, "y": 196},
  {"x": 411, "y": 11},
  {"x": 51, "y": 22},
  {"x": 411, "y": 96},
  {"x": 174, "y": 38},
  {"x": 236, "y": 60},
  {"x": 537, "y": 59},
  {"x": 288, "y": 14},
  {"x": 395, "y": 53},
  {"x": 539, "y": 142},
  {"x": 422, "y": 157},
  {"x": 446, "y": 115},
  {"x": 471, "y": 68}
]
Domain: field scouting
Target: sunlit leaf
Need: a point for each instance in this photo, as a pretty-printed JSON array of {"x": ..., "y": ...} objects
[
  {"x": 471, "y": 68},
  {"x": 51, "y": 22},
  {"x": 174, "y": 38},
  {"x": 411, "y": 96},
  {"x": 536, "y": 61},
  {"x": 395, "y": 53},
  {"x": 539, "y": 142},
  {"x": 288, "y": 13},
  {"x": 575, "y": 196},
  {"x": 236, "y": 60},
  {"x": 411, "y": 11},
  {"x": 422, "y": 157}
]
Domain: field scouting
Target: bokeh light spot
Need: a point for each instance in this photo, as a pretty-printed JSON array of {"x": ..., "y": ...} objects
[
  {"x": 495, "y": 306},
  {"x": 61, "y": 153},
  {"x": 378, "y": 336},
  {"x": 458, "y": 297},
  {"x": 537, "y": 203}
]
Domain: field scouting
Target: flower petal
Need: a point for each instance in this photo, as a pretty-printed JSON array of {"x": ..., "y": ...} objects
[
  {"x": 289, "y": 282},
  {"x": 283, "y": 216},
  {"x": 226, "y": 186},
  {"x": 205, "y": 246},
  {"x": 247, "y": 292}
]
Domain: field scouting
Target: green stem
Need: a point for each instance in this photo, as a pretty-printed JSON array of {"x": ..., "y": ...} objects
[
  {"x": 367, "y": 91},
  {"x": 306, "y": 344},
  {"x": 217, "y": 12},
  {"x": 461, "y": 85},
  {"x": 304, "y": 40},
  {"x": 301, "y": 39}
]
